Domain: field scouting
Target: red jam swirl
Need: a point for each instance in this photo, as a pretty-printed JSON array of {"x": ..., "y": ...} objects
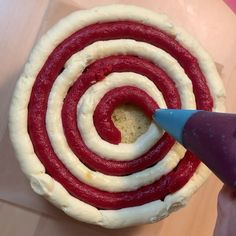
[
  {"x": 96, "y": 72},
  {"x": 38, "y": 107},
  {"x": 112, "y": 99}
]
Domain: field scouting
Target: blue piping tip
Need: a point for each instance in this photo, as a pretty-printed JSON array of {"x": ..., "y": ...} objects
[{"x": 173, "y": 121}]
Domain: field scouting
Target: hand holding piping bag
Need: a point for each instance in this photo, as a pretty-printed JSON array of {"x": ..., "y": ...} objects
[
  {"x": 212, "y": 137},
  {"x": 209, "y": 135}
]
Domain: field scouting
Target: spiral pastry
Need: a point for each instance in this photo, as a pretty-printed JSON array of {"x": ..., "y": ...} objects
[{"x": 60, "y": 118}]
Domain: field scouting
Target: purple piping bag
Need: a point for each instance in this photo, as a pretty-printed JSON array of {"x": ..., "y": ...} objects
[{"x": 209, "y": 135}]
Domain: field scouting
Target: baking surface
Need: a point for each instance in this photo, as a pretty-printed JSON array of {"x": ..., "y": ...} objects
[{"x": 20, "y": 23}]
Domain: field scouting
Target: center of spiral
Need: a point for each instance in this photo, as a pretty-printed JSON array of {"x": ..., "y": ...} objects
[
  {"x": 131, "y": 121},
  {"x": 103, "y": 113}
]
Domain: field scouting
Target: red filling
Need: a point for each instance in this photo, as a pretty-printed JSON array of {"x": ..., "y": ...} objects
[
  {"x": 45, "y": 79},
  {"x": 95, "y": 72},
  {"x": 114, "y": 98}
]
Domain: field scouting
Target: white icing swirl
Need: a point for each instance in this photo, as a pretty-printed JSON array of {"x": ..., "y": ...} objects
[
  {"x": 88, "y": 102},
  {"x": 78, "y": 169}
]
